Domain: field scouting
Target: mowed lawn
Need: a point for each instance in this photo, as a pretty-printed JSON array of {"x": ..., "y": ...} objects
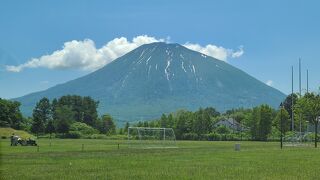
[{"x": 101, "y": 159}]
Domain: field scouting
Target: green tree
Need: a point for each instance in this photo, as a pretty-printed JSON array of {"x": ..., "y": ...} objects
[
  {"x": 181, "y": 124},
  {"x": 212, "y": 112},
  {"x": 41, "y": 115},
  {"x": 126, "y": 127},
  {"x": 50, "y": 127},
  {"x": 265, "y": 124},
  {"x": 26, "y": 124},
  {"x": 10, "y": 115},
  {"x": 145, "y": 124},
  {"x": 140, "y": 124},
  {"x": 54, "y": 105},
  {"x": 163, "y": 121},
  {"x": 285, "y": 120},
  {"x": 170, "y": 121},
  {"x": 253, "y": 123},
  {"x": 202, "y": 122},
  {"x": 290, "y": 100},
  {"x": 90, "y": 114},
  {"x": 64, "y": 118},
  {"x": 309, "y": 106},
  {"x": 222, "y": 130},
  {"x": 108, "y": 125},
  {"x": 83, "y": 108}
]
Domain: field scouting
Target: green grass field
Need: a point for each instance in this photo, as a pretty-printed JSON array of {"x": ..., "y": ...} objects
[{"x": 101, "y": 159}]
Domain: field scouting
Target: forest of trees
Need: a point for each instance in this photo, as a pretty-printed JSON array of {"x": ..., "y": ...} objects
[
  {"x": 10, "y": 115},
  {"x": 260, "y": 123},
  {"x": 256, "y": 123},
  {"x": 74, "y": 116},
  {"x": 69, "y": 116}
]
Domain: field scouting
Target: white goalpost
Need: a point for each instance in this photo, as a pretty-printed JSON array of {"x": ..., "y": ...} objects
[
  {"x": 298, "y": 139},
  {"x": 147, "y": 137}
]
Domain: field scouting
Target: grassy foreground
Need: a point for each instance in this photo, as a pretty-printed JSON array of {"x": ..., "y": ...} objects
[{"x": 101, "y": 159}]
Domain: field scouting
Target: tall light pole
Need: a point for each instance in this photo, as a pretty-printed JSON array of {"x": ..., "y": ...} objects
[
  {"x": 316, "y": 131},
  {"x": 281, "y": 126},
  {"x": 292, "y": 114},
  {"x": 307, "y": 81},
  {"x": 300, "y": 121}
]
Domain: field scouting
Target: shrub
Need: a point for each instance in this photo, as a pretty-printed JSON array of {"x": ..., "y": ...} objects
[
  {"x": 190, "y": 136},
  {"x": 214, "y": 137},
  {"x": 222, "y": 130},
  {"x": 97, "y": 136},
  {"x": 83, "y": 128},
  {"x": 73, "y": 135}
]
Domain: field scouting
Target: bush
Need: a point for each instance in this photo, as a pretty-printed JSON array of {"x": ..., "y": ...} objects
[
  {"x": 190, "y": 136},
  {"x": 83, "y": 128},
  {"x": 96, "y": 136},
  {"x": 73, "y": 135},
  {"x": 214, "y": 137},
  {"x": 222, "y": 130},
  {"x": 70, "y": 134}
]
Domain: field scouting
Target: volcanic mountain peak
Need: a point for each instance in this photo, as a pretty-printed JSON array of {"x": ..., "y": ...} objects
[{"x": 159, "y": 78}]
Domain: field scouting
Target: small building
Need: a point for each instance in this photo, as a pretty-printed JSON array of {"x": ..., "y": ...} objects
[{"x": 230, "y": 123}]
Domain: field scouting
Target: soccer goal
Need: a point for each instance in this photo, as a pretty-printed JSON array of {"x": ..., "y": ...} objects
[
  {"x": 298, "y": 139},
  {"x": 146, "y": 137}
]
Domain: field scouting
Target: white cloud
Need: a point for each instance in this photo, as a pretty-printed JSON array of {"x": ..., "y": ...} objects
[
  {"x": 217, "y": 52},
  {"x": 84, "y": 54},
  {"x": 269, "y": 82},
  {"x": 238, "y": 53}
]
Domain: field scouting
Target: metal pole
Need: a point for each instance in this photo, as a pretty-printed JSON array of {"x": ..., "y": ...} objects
[
  {"x": 128, "y": 134},
  {"x": 299, "y": 77},
  {"x": 281, "y": 126},
  {"x": 307, "y": 81},
  {"x": 300, "y": 97},
  {"x": 292, "y": 114}
]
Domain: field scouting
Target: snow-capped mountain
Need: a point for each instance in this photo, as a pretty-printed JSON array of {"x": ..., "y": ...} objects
[{"x": 159, "y": 78}]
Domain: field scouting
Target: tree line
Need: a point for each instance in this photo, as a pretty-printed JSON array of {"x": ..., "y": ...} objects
[
  {"x": 70, "y": 115},
  {"x": 67, "y": 115},
  {"x": 259, "y": 123},
  {"x": 256, "y": 123}
]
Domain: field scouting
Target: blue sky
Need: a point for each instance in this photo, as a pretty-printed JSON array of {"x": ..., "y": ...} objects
[{"x": 273, "y": 35}]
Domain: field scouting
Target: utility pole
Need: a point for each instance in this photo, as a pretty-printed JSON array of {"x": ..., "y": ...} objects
[
  {"x": 300, "y": 121},
  {"x": 292, "y": 114},
  {"x": 281, "y": 126},
  {"x": 307, "y": 81},
  {"x": 299, "y": 77}
]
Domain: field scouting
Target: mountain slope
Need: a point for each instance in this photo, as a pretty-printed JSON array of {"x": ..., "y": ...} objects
[{"x": 159, "y": 78}]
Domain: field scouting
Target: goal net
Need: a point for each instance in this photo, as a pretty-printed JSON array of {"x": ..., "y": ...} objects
[
  {"x": 298, "y": 139},
  {"x": 146, "y": 137}
]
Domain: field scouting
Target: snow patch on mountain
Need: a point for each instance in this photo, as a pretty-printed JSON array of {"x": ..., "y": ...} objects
[
  {"x": 183, "y": 66},
  {"x": 148, "y": 60},
  {"x": 166, "y": 69}
]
